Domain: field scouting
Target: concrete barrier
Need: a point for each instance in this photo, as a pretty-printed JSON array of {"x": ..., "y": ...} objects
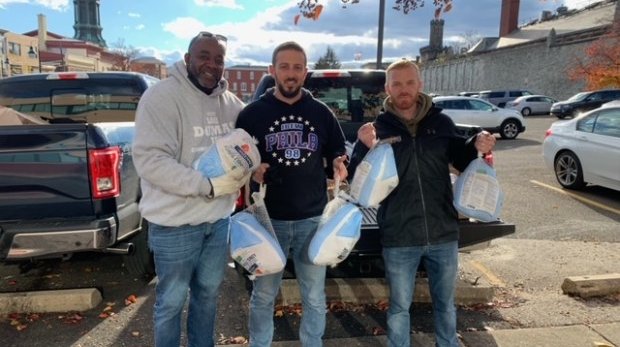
[{"x": 50, "y": 300}]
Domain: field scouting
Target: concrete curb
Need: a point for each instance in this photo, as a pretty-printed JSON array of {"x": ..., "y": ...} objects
[
  {"x": 592, "y": 285},
  {"x": 50, "y": 300},
  {"x": 372, "y": 290}
]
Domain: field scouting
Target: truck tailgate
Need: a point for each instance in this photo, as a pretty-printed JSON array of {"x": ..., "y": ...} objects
[
  {"x": 471, "y": 233},
  {"x": 44, "y": 172}
]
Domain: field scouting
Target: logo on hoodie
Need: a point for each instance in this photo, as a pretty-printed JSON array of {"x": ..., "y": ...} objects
[{"x": 291, "y": 140}]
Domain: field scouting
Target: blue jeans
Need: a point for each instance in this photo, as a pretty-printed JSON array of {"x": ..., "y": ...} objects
[
  {"x": 441, "y": 264},
  {"x": 294, "y": 236},
  {"x": 188, "y": 258}
]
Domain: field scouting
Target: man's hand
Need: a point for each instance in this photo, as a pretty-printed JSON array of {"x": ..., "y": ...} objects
[
  {"x": 367, "y": 135},
  {"x": 340, "y": 169},
  {"x": 259, "y": 174},
  {"x": 226, "y": 184},
  {"x": 485, "y": 142}
]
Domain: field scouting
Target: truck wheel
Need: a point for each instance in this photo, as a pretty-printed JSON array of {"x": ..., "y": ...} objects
[{"x": 140, "y": 262}]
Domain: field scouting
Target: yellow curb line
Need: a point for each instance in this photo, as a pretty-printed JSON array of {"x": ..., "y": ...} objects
[
  {"x": 578, "y": 197},
  {"x": 493, "y": 280}
]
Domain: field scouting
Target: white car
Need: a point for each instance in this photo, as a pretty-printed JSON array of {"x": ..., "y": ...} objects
[
  {"x": 462, "y": 109},
  {"x": 586, "y": 149},
  {"x": 531, "y": 104}
]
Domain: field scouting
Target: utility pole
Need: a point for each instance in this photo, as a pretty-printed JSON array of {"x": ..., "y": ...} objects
[{"x": 380, "y": 34}]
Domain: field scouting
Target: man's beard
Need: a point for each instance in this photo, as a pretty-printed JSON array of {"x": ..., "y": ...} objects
[
  {"x": 403, "y": 104},
  {"x": 288, "y": 94}
]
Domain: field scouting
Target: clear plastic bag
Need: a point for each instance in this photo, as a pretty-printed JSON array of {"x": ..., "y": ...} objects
[
  {"x": 253, "y": 242},
  {"x": 338, "y": 230}
]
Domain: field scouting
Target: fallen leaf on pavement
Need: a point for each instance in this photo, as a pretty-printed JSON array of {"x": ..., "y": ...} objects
[
  {"x": 378, "y": 331},
  {"x": 238, "y": 340},
  {"x": 103, "y": 315},
  {"x": 135, "y": 333},
  {"x": 132, "y": 299}
]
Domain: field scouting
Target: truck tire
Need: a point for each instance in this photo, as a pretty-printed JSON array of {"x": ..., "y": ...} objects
[{"x": 140, "y": 261}]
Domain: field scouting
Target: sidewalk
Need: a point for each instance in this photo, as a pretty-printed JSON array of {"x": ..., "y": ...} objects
[{"x": 567, "y": 336}]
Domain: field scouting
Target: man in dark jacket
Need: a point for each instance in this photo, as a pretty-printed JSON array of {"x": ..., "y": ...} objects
[{"x": 418, "y": 221}]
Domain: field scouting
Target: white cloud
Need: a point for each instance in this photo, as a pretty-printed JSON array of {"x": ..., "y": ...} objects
[
  {"x": 232, "y": 4},
  {"x": 134, "y": 15},
  {"x": 140, "y": 27},
  {"x": 59, "y": 5}
]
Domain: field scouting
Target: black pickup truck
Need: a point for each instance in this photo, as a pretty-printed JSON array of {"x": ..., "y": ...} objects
[
  {"x": 356, "y": 97},
  {"x": 69, "y": 185}
]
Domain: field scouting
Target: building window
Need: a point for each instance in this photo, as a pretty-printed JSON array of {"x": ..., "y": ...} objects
[
  {"x": 251, "y": 75},
  {"x": 244, "y": 87},
  {"x": 238, "y": 75},
  {"x": 15, "y": 48},
  {"x": 253, "y": 87},
  {"x": 226, "y": 74},
  {"x": 234, "y": 88}
]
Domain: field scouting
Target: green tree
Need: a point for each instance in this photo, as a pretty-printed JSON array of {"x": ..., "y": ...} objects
[{"x": 328, "y": 61}]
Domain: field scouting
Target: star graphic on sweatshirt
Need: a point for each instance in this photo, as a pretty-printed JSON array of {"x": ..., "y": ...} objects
[{"x": 289, "y": 154}]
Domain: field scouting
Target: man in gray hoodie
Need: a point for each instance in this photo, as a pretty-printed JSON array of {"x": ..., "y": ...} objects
[{"x": 188, "y": 215}]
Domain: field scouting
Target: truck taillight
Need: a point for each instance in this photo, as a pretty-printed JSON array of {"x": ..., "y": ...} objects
[{"x": 104, "y": 166}]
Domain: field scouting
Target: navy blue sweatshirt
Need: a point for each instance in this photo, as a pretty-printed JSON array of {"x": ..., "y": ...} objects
[{"x": 296, "y": 141}]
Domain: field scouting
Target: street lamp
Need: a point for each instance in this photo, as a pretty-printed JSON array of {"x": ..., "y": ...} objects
[{"x": 32, "y": 54}]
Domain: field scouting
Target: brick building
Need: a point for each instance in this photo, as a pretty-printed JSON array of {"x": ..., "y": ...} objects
[{"x": 243, "y": 79}]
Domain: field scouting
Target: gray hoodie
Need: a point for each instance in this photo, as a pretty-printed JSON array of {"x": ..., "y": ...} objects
[{"x": 175, "y": 123}]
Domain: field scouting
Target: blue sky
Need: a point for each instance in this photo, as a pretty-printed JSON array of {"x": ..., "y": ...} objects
[{"x": 254, "y": 27}]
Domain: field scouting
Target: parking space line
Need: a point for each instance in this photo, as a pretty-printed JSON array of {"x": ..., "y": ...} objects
[
  {"x": 491, "y": 277},
  {"x": 578, "y": 197}
]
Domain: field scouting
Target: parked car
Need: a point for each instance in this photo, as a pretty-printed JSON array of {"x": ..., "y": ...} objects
[
  {"x": 472, "y": 94},
  {"x": 467, "y": 110},
  {"x": 583, "y": 101},
  {"x": 499, "y": 98},
  {"x": 531, "y": 104},
  {"x": 586, "y": 149},
  {"x": 68, "y": 183}
]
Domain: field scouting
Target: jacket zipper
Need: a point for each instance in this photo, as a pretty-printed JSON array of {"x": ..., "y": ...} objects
[{"x": 415, "y": 156}]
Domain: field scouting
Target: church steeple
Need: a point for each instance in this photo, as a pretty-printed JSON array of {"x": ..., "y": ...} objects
[{"x": 87, "y": 23}]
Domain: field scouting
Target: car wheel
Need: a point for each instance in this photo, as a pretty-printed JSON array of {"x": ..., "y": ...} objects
[
  {"x": 509, "y": 129},
  {"x": 561, "y": 116},
  {"x": 568, "y": 170},
  {"x": 140, "y": 262},
  {"x": 526, "y": 111}
]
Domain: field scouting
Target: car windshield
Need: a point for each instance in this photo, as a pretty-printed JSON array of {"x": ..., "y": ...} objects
[{"x": 578, "y": 96}]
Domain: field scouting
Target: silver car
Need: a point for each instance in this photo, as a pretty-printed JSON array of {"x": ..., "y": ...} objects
[
  {"x": 586, "y": 149},
  {"x": 532, "y": 104},
  {"x": 467, "y": 110}
]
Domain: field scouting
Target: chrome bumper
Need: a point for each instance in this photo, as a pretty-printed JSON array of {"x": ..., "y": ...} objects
[{"x": 26, "y": 241}]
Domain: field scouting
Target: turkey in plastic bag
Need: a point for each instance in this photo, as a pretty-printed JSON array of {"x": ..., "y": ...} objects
[
  {"x": 253, "y": 242},
  {"x": 477, "y": 193},
  {"x": 235, "y": 153},
  {"x": 338, "y": 230},
  {"x": 376, "y": 175}
]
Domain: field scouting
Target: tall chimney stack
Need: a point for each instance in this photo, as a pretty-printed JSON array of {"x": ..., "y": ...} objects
[
  {"x": 510, "y": 17},
  {"x": 42, "y": 32}
]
